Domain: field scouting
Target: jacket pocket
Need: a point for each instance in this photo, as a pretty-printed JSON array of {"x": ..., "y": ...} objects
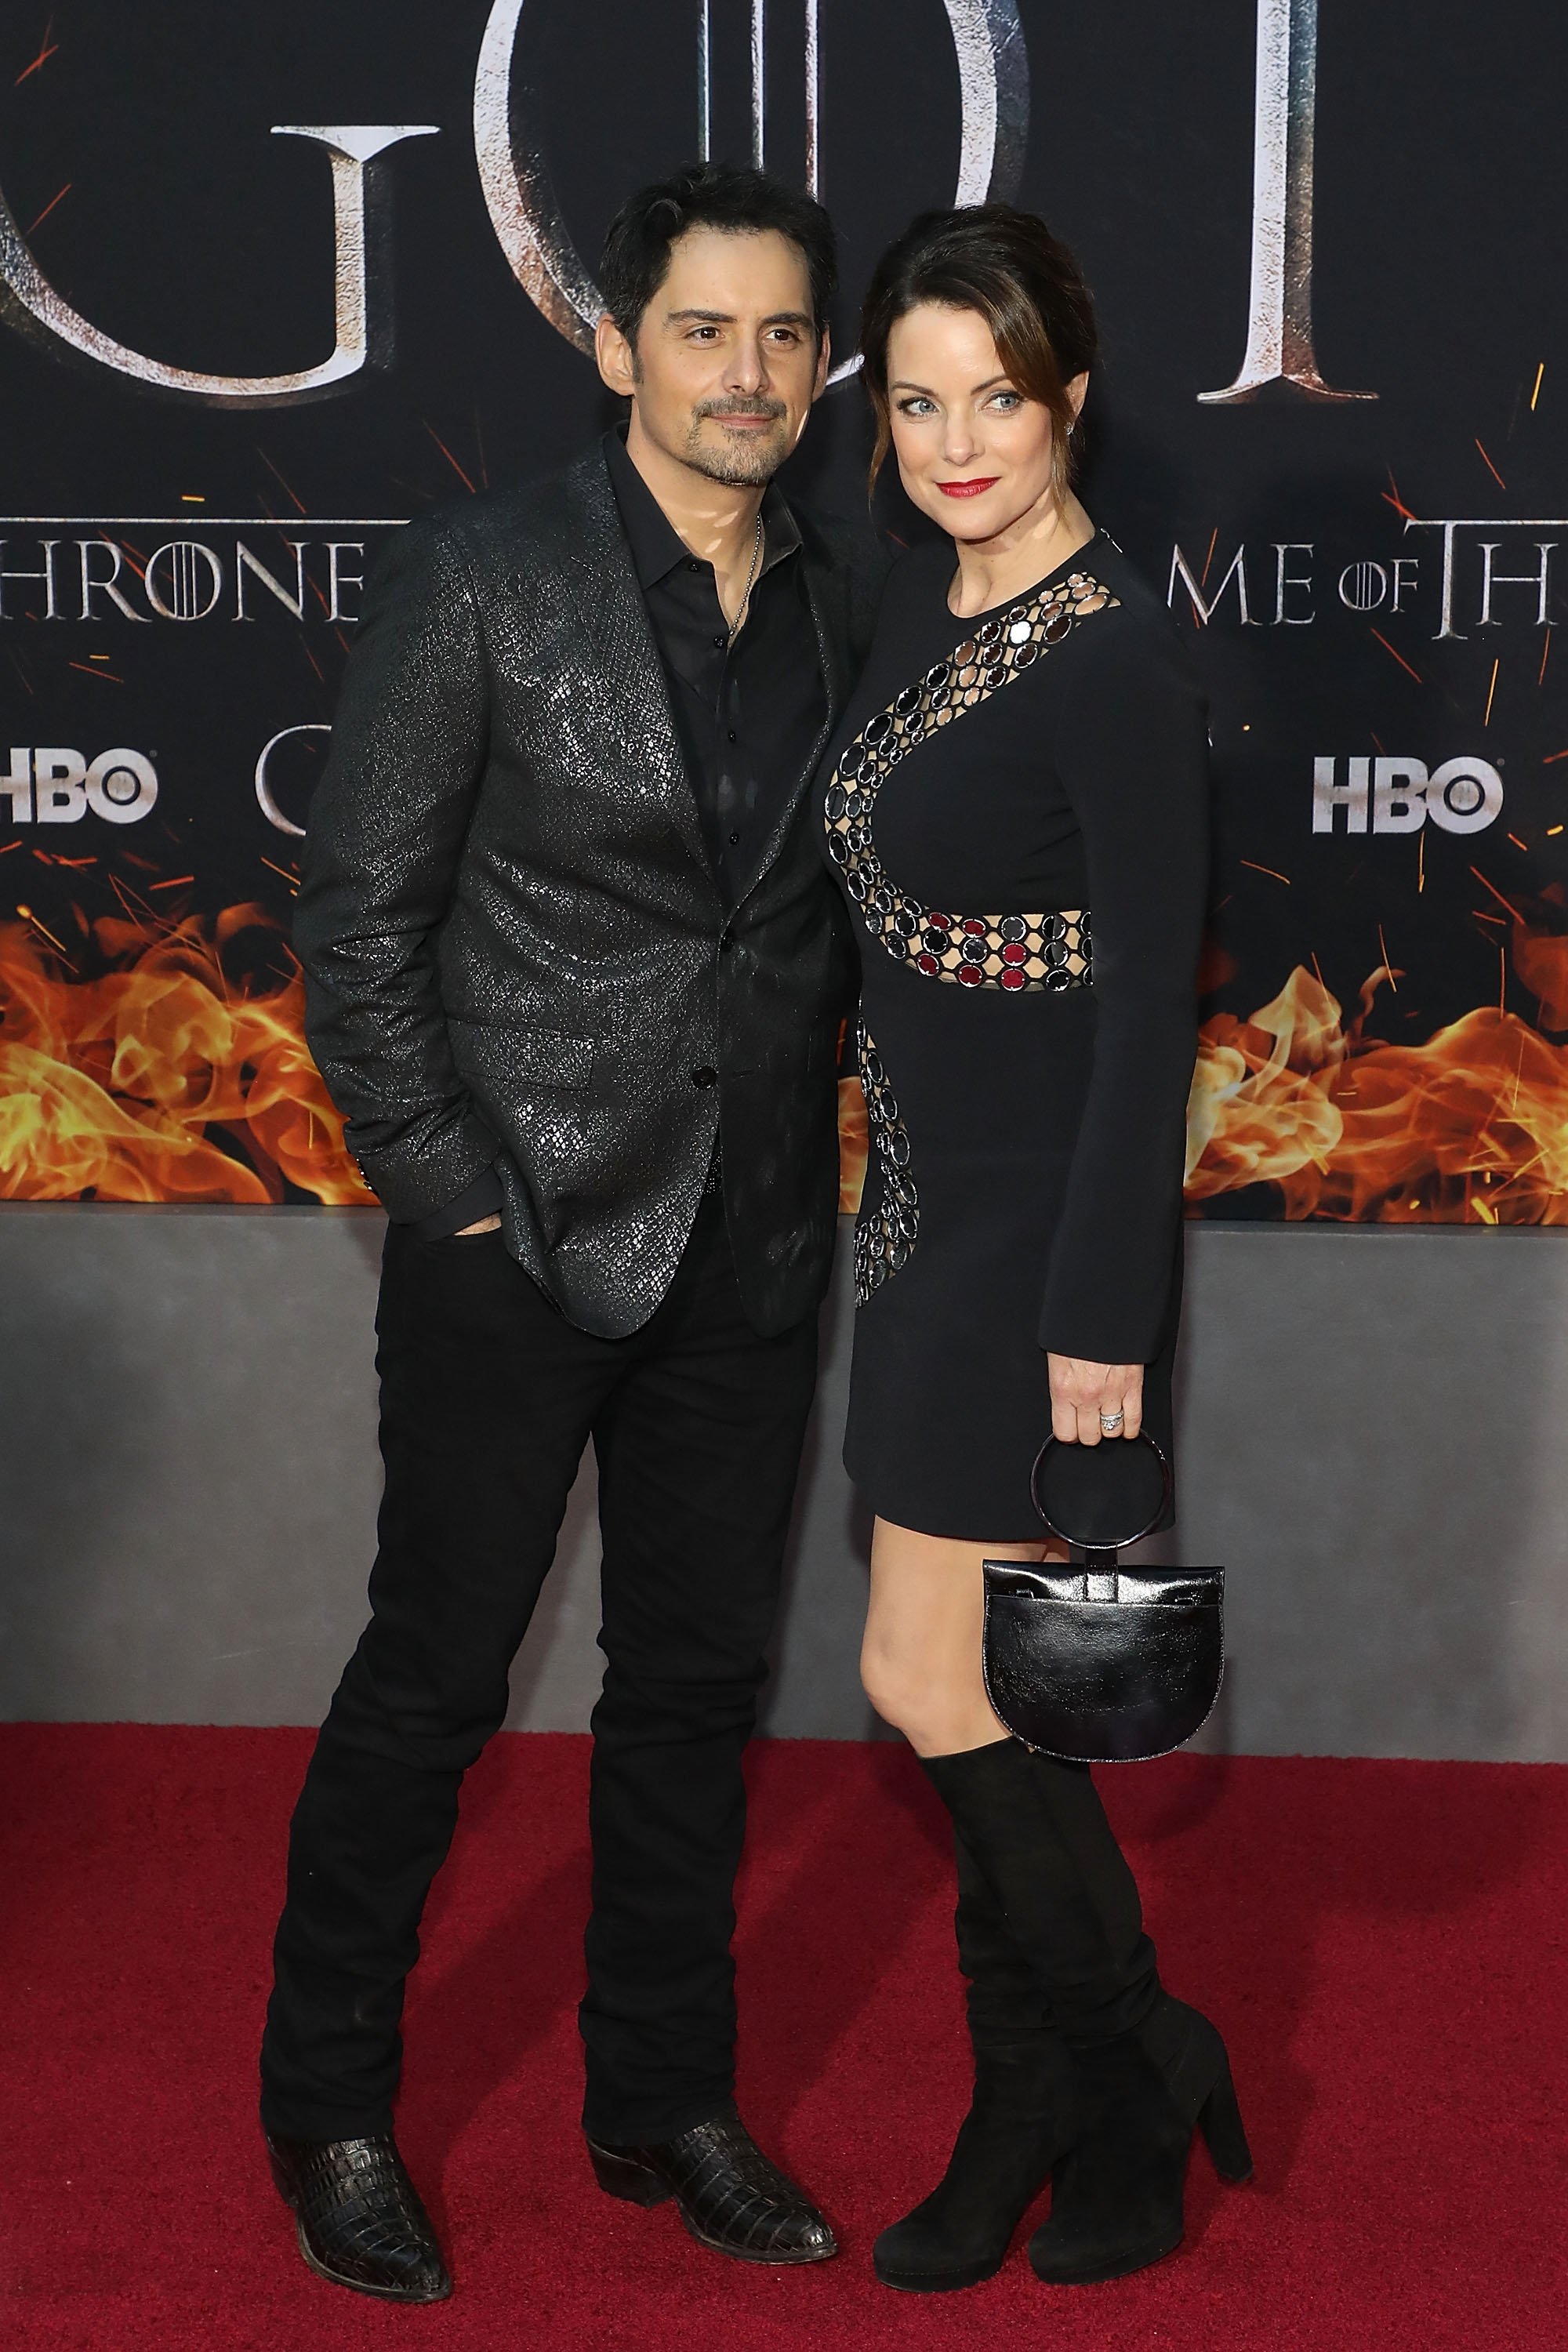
[{"x": 507, "y": 1048}]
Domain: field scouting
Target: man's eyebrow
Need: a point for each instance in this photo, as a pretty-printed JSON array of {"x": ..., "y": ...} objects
[{"x": 727, "y": 317}]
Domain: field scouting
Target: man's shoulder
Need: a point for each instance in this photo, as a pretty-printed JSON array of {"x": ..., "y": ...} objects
[
  {"x": 845, "y": 543},
  {"x": 537, "y": 516}
]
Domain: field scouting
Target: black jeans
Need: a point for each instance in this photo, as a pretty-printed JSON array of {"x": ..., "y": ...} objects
[{"x": 487, "y": 1400}]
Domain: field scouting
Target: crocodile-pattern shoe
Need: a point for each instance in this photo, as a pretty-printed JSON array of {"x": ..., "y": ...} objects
[
  {"x": 731, "y": 2197},
  {"x": 360, "y": 2218}
]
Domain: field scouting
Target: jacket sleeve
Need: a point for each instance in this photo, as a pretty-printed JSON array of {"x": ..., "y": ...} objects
[
  {"x": 385, "y": 832},
  {"x": 1133, "y": 755}
]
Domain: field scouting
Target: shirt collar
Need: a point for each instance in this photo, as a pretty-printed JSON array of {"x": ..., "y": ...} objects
[{"x": 657, "y": 546}]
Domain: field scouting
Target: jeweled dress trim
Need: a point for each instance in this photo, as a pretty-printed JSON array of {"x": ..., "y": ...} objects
[
  {"x": 1007, "y": 952},
  {"x": 1011, "y": 953},
  {"x": 884, "y": 1239}
]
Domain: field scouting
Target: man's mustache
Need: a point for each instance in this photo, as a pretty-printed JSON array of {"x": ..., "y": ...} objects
[{"x": 737, "y": 404}]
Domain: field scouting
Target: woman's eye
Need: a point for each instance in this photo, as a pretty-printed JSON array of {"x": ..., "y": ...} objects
[
  {"x": 1007, "y": 402},
  {"x": 917, "y": 405}
]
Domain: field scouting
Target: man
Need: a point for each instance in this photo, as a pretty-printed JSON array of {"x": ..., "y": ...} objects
[{"x": 575, "y": 976}]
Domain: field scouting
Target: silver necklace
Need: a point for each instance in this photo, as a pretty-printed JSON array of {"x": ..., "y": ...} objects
[{"x": 750, "y": 582}]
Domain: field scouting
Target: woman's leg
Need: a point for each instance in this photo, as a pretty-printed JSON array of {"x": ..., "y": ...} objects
[
  {"x": 920, "y": 1661},
  {"x": 1148, "y": 2067},
  {"x": 921, "y": 1667},
  {"x": 1034, "y": 1825}
]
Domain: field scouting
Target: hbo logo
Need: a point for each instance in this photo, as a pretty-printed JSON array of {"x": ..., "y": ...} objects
[
  {"x": 58, "y": 787},
  {"x": 1464, "y": 796}
]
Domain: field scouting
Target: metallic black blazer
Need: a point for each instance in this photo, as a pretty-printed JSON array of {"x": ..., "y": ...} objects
[{"x": 510, "y": 931}]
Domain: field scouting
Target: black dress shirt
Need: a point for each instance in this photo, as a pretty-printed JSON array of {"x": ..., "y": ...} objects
[{"x": 748, "y": 710}]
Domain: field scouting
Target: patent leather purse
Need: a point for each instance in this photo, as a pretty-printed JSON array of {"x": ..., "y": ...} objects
[{"x": 1102, "y": 1663}]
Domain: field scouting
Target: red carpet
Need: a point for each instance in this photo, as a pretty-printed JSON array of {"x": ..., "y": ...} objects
[{"x": 1383, "y": 1943}]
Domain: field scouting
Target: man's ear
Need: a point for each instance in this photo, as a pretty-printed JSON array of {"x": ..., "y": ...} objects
[
  {"x": 617, "y": 362},
  {"x": 824, "y": 362}
]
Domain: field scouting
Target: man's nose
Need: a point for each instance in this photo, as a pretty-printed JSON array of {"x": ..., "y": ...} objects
[{"x": 748, "y": 368}]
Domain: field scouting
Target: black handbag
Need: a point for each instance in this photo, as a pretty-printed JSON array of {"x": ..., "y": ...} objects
[{"x": 1102, "y": 1664}]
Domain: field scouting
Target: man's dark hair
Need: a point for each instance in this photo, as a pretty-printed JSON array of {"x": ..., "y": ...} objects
[{"x": 729, "y": 196}]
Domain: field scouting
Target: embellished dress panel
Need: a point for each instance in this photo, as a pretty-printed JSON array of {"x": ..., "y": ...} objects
[{"x": 1015, "y": 808}]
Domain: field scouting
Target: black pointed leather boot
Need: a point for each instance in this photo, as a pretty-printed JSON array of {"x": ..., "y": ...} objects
[
  {"x": 1020, "y": 2118},
  {"x": 1116, "y": 2202},
  {"x": 359, "y": 2220},
  {"x": 731, "y": 2197}
]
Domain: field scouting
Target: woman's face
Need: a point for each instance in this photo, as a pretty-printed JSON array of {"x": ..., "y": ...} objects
[{"x": 973, "y": 451}]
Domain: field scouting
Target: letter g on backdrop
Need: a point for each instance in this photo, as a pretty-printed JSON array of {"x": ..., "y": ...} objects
[{"x": 994, "y": 90}]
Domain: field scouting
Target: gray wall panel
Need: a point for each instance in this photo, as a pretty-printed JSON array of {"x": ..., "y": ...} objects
[{"x": 1371, "y": 1441}]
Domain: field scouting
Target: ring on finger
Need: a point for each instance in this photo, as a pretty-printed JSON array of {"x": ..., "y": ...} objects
[{"x": 1111, "y": 1422}]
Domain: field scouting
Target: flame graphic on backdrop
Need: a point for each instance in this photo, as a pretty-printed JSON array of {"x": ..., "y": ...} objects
[
  {"x": 122, "y": 1087},
  {"x": 166, "y": 1079},
  {"x": 1470, "y": 1128}
]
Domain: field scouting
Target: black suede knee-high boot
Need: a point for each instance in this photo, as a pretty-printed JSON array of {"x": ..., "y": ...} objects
[
  {"x": 1020, "y": 2119},
  {"x": 1149, "y": 2069}
]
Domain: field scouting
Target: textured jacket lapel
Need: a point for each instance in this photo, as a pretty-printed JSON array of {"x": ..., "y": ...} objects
[{"x": 599, "y": 582}]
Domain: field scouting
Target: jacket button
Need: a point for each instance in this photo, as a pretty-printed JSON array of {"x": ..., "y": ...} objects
[{"x": 704, "y": 1076}]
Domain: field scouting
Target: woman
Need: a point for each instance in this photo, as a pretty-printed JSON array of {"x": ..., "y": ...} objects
[{"x": 1016, "y": 812}]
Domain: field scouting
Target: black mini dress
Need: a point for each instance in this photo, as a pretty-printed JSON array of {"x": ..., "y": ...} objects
[{"x": 1016, "y": 806}]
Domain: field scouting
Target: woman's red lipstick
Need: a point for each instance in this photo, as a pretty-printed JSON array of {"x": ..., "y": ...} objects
[{"x": 968, "y": 489}]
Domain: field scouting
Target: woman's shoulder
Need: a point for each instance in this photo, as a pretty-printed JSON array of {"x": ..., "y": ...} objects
[
  {"x": 918, "y": 577},
  {"x": 912, "y": 619},
  {"x": 1136, "y": 630},
  {"x": 1141, "y": 614}
]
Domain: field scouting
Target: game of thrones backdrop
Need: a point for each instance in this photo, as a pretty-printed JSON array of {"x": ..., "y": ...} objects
[{"x": 275, "y": 276}]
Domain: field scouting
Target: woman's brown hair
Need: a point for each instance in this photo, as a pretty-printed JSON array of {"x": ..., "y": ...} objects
[{"x": 1023, "y": 283}]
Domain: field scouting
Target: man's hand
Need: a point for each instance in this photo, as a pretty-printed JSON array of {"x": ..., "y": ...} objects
[
  {"x": 486, "y": 1225},
  {"x": 1082, "y": 1392}
]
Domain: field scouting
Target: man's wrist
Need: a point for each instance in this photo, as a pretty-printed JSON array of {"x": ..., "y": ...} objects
[{"x": 476, "y": 1201}]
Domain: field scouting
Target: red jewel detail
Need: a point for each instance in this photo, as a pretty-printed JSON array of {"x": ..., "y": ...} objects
[
  {"x": 974, "y": 927},
  {"x": 927, "y": 963},
  {"x": 1015, "y": 952},
  {"x": 1014, "y": 979},
  {"x": 971, "y": 975},
  {"x": 942, "y": 922}
]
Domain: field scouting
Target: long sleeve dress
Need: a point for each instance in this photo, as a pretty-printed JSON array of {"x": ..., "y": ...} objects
[{"x": 1016, "y": 810}]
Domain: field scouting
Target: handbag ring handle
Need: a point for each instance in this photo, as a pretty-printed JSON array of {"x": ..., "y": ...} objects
[{"x": 1103, "y": 1543}]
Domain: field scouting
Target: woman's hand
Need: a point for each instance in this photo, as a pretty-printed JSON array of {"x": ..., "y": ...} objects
[{"x": 1082, "y": 1392}]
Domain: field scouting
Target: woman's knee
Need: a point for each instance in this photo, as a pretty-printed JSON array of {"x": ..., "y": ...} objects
[
  {"x": 893, "y": 1691},
  {"x": 937, "y": 1714}
]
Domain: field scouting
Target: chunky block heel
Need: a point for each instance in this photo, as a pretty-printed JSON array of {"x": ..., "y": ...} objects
[
  {"x": 1224, "y": 2135},
  {"x": 624, "y": 2176},
  {"x": 1116, "y": 2203}
]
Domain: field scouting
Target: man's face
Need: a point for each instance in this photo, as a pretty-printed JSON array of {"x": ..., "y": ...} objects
[{"x": 726, "y": 365}]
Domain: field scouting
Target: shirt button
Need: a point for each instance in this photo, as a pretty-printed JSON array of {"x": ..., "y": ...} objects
[
  {"x": 704, "y": 1076},
  {"x": 721, "y": 643},
  {"x": 735, "y": 841},
  {"x": 733, "y": 736}
]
